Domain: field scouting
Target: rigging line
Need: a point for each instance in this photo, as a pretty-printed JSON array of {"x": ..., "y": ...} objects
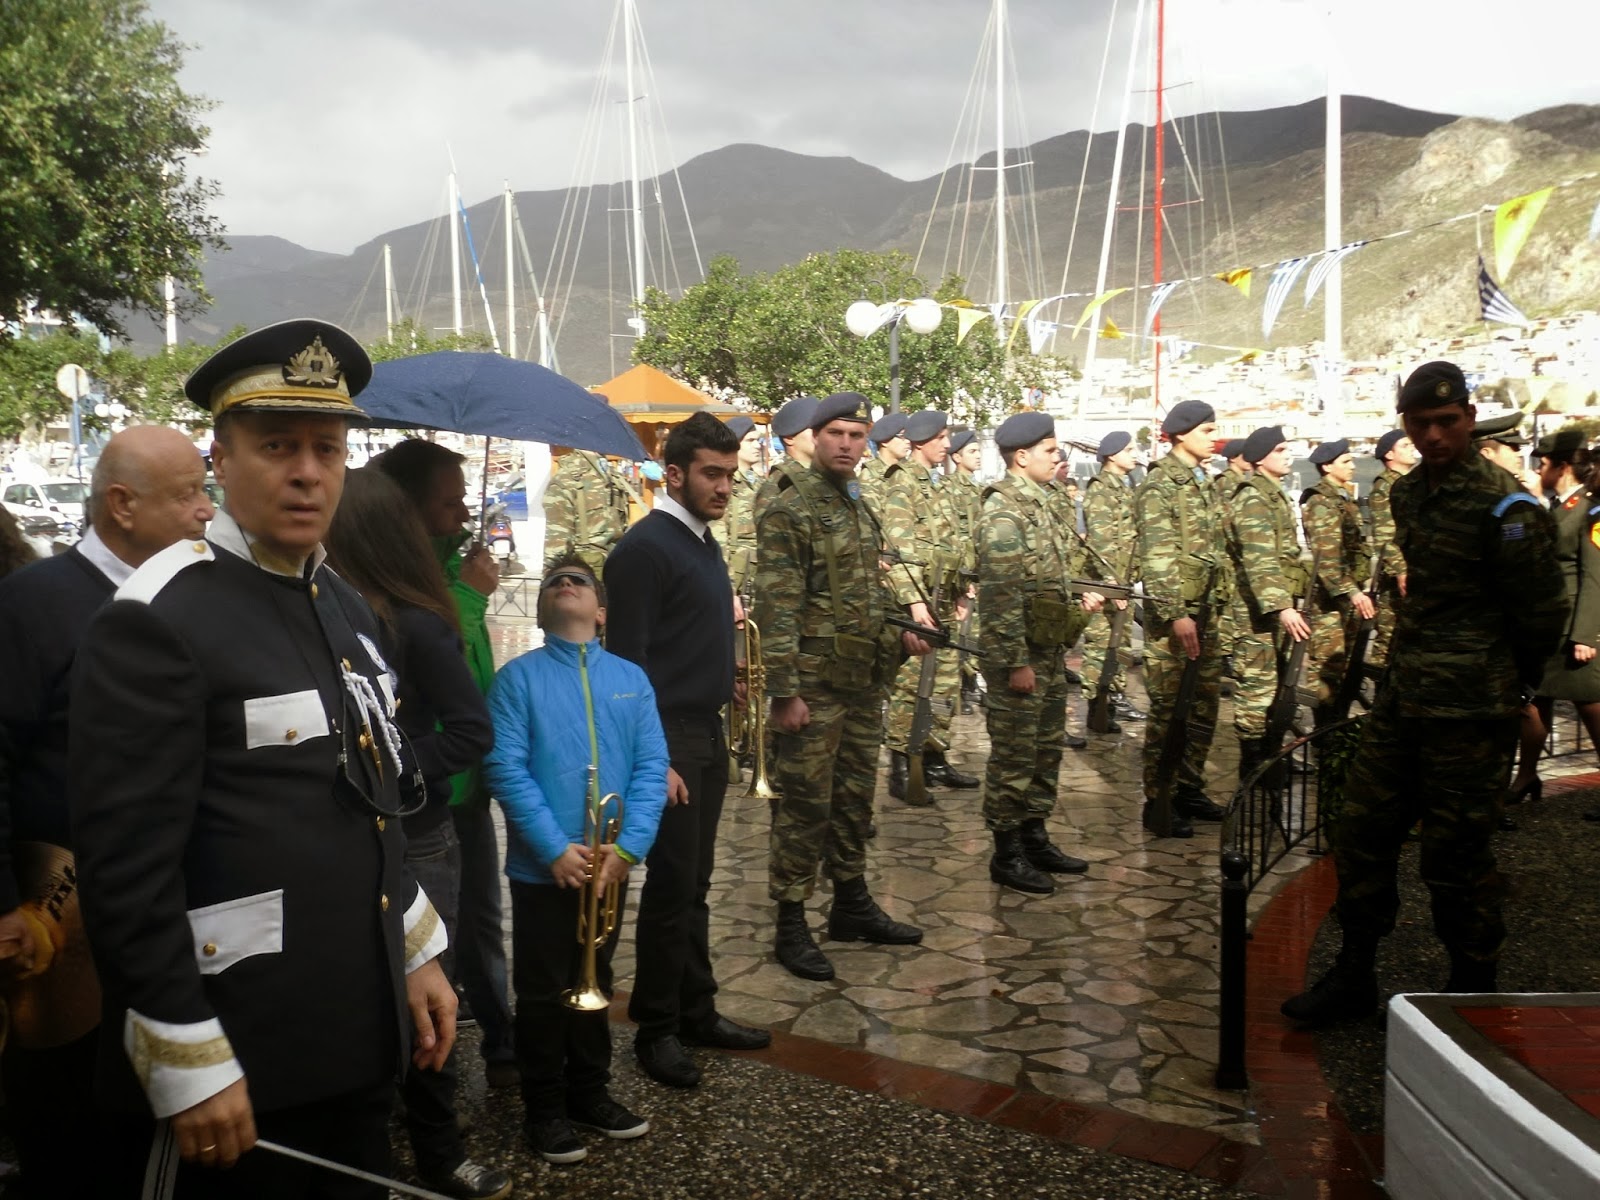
[
  {"x": 973, "y": 153},
  {"x": 944, "y": 173},
  {"x": 533, "y": 278},
  {"x": 1144, "y": 173},
  {"x": 1227, "y": 187},
  {"x": 351, "y": 313},
  {"x": 422, "y": 269},
  {"x": 1032, "y": 253},
  {"x": 1088, "y": 143},
  {"x": 672, "y": 157}
]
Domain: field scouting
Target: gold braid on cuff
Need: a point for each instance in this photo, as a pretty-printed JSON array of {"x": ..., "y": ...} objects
[
  {"x": 422, "y": 932},
  {"x": 152, "y": 1050}
]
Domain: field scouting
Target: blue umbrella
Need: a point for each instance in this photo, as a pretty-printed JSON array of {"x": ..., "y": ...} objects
[{"x": 493, "y": 396}]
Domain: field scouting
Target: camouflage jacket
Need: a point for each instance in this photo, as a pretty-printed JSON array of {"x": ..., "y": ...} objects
[
  {"x": 1108, "y": 516},
  {"x": 784, "y": 472},
  {"x": 1337, "y": 543},
  {"x": 874, "y": 476},
  {"x": 1227, "y": 483},
  {"x": 737, "y": 529},
  {"x": 1023, "y": 553},
  {"x": 1265, "y": 546},
  {"x": 585, "y": 508},
  {"x": 795, "y": 600},
  {"x": 1391, "y": 562},
  {"x": 1485, "y": 603},
  {"x": 1181, "y": 547},
  {"x": 964, "y": 494},
  {"x": 920, "y": 524}
]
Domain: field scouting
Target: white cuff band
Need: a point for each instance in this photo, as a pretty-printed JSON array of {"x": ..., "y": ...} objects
[
  {"x": 179, "y": 1065},
  {"x": 425, "y": 934}
]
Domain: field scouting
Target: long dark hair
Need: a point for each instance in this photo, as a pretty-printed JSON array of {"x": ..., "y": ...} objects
[
  {"x": 14, "y": 551},
  {"x": 378, "y": 543}
]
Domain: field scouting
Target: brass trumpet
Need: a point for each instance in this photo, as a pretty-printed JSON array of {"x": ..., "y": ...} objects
[
  {"x": 752, "y": 721},
  {"x": 597, "y": 907}
]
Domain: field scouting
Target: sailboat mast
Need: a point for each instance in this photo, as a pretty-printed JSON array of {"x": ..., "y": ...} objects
[
  {"x": 1333, "y": 236},
  {"x": 388, "y": 293},
  {"x": 511, "y": 279},
  {"x": 1161, "y": 162},
  {"x": 636, "y": 207},
  {"x": 455, "y": 254},
  {"x": 1000, "y": 282}
]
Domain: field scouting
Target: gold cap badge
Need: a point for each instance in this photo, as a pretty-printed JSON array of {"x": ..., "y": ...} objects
[{"x": 315, "y": 366}]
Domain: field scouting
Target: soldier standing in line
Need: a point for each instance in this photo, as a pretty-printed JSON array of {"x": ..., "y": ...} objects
[
  {"x": 1024, "y": 561},
  {"x": 585, "y": 509},
  {"x": 1484, "y": 608},
  {"x": 791, "y": 425},
  {"x": 965, "y": 495},
  {"x": 1234, "y": 471},
  {"x": 1265, "y": 547},
  {"x": 821, "y": 599},
  {"x": 1108, "y": 518},
  {"x": 1343, "y": 560},
  {"x": 1395, "y": 451},
  {"x": 921, "y": 526},
  {"x": 1182, "y": 562},
  {"x": 737, "y": 529},
  {"x": 888, "y": 434}
]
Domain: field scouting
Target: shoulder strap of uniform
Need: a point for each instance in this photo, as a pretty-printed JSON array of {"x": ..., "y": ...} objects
[
  {"x": 1505, "y": 502},
  {"x": 145, "y": 584}
]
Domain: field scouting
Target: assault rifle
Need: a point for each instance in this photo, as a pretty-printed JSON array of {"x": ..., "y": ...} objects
[
  {"x": 1099, "y": 717},
  {"x": 1158, "y": 810},
  {"x": 922, "y": 716},
  {"x": 936, "y": 636},
  {"x": 1355, "y": 662},
  {"x": 1286, "y": 699}
]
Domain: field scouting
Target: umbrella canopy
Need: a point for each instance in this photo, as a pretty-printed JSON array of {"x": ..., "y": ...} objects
[
  {"x": 493, "y": 396},
  {"x": 646, "y": 396}
]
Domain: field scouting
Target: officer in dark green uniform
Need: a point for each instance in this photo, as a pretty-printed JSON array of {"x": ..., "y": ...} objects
[{"x": 1484, "y": 607}]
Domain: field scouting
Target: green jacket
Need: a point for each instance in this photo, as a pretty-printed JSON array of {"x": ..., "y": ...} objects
[
  {"x": 1181, "y": 547},
  {"x": 737, "y": 530},
  {"x": 472, "y": 609},
  {"x": 1265, "y": 546},
  {"x": 1391, "y": 562},
  {"x": 1337, "y": 543},
  {"x": 1023, "y": 555},
  {"x": 919, "y": 522},
  {"x": 1108, "y": 517},
  {"x": 585, "y": 509}
]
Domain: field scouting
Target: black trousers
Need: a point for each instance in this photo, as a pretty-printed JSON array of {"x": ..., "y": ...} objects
[
  {"x": 53, "y": 1118},
  {"x": 673, "y": 985},
  {"x": 562, "y": 1053},
  {"x": 430, "y": 1096}
]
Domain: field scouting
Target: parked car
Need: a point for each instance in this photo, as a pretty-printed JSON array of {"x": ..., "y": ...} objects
[{"x": 57, "y": 497}]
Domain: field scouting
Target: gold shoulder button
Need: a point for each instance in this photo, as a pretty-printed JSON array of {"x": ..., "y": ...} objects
[
  {"x": 209, "y": 949},
  {"x": 383, "y": 903}
]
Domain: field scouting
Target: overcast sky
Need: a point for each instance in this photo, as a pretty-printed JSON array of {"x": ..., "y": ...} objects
[{"x": 334, "y": 118}]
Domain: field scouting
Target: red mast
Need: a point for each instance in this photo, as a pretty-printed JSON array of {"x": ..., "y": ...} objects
[{"x": 1161, "y": 129}]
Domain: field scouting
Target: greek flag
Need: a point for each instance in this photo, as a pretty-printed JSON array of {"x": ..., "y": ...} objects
[
  {"x": 1493, "y": 303},
  {"x": 1157, "y": 299},
  {"x": 1278, "y": 290},
  {"x": 1325, "y": 265}
]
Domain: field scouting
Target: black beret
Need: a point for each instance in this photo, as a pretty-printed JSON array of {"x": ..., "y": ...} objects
[
  {"x": 842, "y": 406},
  {"x": 1328, "y": 451},
  {"x": 1024, "y": 429},
  {"x": 1114, "y": 443},
  {"x": 1232, "y": 448},
  {"x": 1502, "y": 429},
  {"x": 1560, "y": 445},
  {"x": 1387, "y": 443},
  {"x": 887, "y": 427},
  {"x": 1431, "y": 385},
  {"x": 1261, "y": 443},
  {"x": 961, "y": 439},
  {"x": 303, "y": 366},
  {"x": 795, "y": 416},
  {"x": 926, "y": 425},
  {"x": 740, "y": 427},
  {"x": 1185, "y": 415}
]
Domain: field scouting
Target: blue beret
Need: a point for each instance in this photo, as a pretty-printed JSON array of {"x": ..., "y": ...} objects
[
  {"x": 1185, "y": 415},
  {"x": 842, "y": 406},
  {"x": 926, "y": 425},
  {"x": 961, "y": 439},
  {"x": 888, "y": 426},
  {"x": 1387, "y": 443},
  {"x": 1114, "y": 443},
  {"x": 301, "y": 366},
  {"x": 1024, "y": 429},
  {"x": 1261, "y": 443},
  {"x": 1328, "y": 451},
  {"x": 1432, "y": 385},
  {"x": 795, "y": 416},
  {"x": 740, "y": 427}
]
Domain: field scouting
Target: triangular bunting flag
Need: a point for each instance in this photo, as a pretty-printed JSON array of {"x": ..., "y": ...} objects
[
  {"x": 1513, "y": 222},
  {"x": 1249, "y": 356},
  {"x": 1090, "y": 308},
  {"x": 1022, "y": 316},
  {"x": 1239, "y": 278},
  {"x": 966, "y": 318},
  {"x": 1039, "y": 332},
  {"x": 1110, "y": 331},
  {"x": 1493, "y": 304},
  {"x": 1325, "y": 265},
  {"x": 1157, "y": 299},
  {"x": 1283, "y": 279}
]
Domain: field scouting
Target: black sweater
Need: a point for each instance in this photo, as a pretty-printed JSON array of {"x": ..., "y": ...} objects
[{"x": 669, "y": 608}]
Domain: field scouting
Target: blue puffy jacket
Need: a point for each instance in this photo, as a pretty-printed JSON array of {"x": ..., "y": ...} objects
[{"x": 550, "y": 706}]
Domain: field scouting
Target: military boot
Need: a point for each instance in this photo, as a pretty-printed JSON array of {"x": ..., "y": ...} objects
[
  {"x": 1471, "y": 974},
  {"x": 937, "y": 769},
  {"x": 856, "y": 917},
  {"x": 1010, "y": 866},
  {"x": 1348, "y": 992},
  {"x": 899, "y": 767},
  {"x": 796, "y": 949},
  {"x": 1041, "y": 852},
  {"x": 1123, "y": 707},
  {"x": 1194, "y": 804},
  {"x": 1251, "y": 756},
  {"x": 1181, "y": 828}
]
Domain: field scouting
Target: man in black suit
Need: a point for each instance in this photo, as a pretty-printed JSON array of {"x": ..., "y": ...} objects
[
  {"x": 236, "y": 781},
  {"x": 146, "y": 493},
  {"x": 671, "y": 611}
]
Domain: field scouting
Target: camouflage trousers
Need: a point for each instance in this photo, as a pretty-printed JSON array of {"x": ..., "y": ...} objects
[
  {"x": 826, "y": 775},
  {"x": 1332, "y": 634},
  {"x": 1450, "y": 775},
  {"x": 946, "y": 695},
  {"x": 1164, "y": 662},
  {"x": 1024, "y": 766},
  {"x": 1096, "y": 640},
  {"x": 1255, "y": 672},
  {"x": 1383, "y": 631}
]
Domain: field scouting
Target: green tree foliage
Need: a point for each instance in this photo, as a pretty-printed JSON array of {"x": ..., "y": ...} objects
[
  {"x": 95, "y": 210},
  {"x": 778, "y": 335},
  {"x": 410, "y": 339}
]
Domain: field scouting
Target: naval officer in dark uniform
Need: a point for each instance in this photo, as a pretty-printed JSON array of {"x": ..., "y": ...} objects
[{"x": 236, "y": 781}]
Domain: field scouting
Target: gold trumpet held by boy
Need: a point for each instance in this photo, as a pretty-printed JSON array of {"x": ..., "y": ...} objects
[{"x": 597, "y": 907}]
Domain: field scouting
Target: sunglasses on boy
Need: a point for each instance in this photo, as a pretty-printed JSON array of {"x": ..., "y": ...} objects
[{"x": 572, "y": 577}]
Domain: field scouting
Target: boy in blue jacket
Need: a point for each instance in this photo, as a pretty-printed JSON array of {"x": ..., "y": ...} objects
[{"x": 557, "y": 710}]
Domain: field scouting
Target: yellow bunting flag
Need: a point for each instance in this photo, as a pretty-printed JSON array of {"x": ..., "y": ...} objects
[
  {"x": 1110, "y": 329},
  {"x": 966, "y": 318},
  {"x": 1513, "y": 222},
  {"x": 1249, "y": 356},
  {"x": 1022, "y": 316},
  {"x": 1089, "y": 308},
  {"x": 1239, "y": 277}
]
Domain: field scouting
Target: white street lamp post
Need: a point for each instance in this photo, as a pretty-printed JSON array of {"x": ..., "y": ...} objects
[{"x": 864, "y": 318}]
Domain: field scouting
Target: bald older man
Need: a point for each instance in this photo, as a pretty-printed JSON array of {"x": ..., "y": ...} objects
[{"x": 147, "y": 491}]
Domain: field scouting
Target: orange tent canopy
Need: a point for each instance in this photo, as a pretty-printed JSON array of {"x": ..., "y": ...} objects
[{"x": 646, "y": 396}]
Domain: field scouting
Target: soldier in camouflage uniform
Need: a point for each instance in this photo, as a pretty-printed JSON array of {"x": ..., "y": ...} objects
[
  {"x": 737, "y": 529},
  {"x": 921, "y": 526},
  {"x": 1108, "y": 521},
  {"x": 888, "y": 434},
  {"x": 1024, "y": 561},
  {"x": 1343, "y": 561},
  {"x": 585, "y": 509},
  {"x": 1484, "y": 607},
  {"x": 965, "y": 495},
  {"x": 791, "y": 425},
  {"x": 1182, "y": 558},
  {"x": 1265, "y": 547},
  {"x": 1232, "y": 620},
  {"x": 1395, "y": 451},
  {"x": 820, "y": 600}
]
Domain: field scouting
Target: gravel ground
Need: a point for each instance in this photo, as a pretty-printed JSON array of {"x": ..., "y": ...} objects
[{"x": 1552, "y": 872}]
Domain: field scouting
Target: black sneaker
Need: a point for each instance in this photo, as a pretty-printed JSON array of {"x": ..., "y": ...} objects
[
  {"x": 473, "y": 1181},
  {"x": 556, "y": 1141},
  {"x": 605, "y": 1115}
]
